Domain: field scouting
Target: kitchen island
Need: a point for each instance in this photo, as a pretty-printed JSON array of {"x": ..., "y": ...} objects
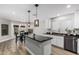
[{"x": 38, "y": 45}]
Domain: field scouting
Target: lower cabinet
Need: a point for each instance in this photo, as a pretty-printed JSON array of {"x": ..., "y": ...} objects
[
  {"x": 58, "y": 41},
  {"x": 78, "y": 46},
  {"x": 53, "y": 41}
]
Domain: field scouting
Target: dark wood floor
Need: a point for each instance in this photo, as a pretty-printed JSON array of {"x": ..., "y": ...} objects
[{"x": 9, "y": 48}]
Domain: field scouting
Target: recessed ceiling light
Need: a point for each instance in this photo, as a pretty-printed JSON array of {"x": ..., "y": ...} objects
[
  {"x": 68, "y": 6},
  {"x": 58, "y": 14},
  {"x": 13, "y": 13}
]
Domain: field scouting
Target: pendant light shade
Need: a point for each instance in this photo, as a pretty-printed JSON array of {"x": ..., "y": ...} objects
[
  {"x": 36, "y": 21},
  {"x": 28, "y": 18}
]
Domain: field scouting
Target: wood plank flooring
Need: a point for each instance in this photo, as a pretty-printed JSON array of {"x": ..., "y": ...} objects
[
  {"x": 59, "y": 51},
  {"x": 9, "y": 48}
]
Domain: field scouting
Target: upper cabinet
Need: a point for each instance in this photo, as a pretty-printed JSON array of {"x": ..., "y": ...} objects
[
  {"x": 61, "y": 23},
  {"x": 64, "y": 22},
  {"x": 48, "y": 24},
  {"x": 76, "y": 19},
  {"x": 58, "y": 41}
]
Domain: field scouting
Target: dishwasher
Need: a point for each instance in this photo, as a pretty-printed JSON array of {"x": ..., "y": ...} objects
[{"x": 70, "y": 43}]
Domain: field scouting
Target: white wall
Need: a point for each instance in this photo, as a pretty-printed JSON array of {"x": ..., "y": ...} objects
[
  {"x": 11, "y": 29},
  {"x": 41, "y": 29},
  {"x": 48, "y": 23},
  {"x": 2, "y": 21},
  {"x": 17, "y": 23}
]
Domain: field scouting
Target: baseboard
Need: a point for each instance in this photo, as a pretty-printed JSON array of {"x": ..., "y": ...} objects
[
  {"x": 57, "y": 47},
  {"x": 3, "y": 40}
]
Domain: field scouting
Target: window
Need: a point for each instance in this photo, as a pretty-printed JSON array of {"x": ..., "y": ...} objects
[{"x": 4, "y": 29}]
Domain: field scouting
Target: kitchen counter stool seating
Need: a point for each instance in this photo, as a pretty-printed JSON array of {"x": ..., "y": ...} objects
[{"x": 20, "y": 38}]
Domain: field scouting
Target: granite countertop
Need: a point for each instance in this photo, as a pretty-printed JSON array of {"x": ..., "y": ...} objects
[
  {"x": 57, "y": 34},
  {"x": 63, "y": 34},
  {"x": 39, "y": 38}
]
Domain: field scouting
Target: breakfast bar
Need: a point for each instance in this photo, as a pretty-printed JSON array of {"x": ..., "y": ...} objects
[{"x": 38, "y": 45}]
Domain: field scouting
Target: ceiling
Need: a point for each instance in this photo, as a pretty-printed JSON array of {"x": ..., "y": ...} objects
[{"x": 18, "y": 12}]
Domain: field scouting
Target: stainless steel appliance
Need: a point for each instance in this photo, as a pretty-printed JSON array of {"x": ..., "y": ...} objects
[{"x": 70, "y": 43}]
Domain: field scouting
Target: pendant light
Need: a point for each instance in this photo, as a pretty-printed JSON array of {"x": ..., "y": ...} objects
[
  {"x": 28, "y": 18},
  {"x": 36, "y": 21}
]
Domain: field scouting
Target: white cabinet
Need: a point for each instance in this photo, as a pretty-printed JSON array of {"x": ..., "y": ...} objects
[
  {"x": 78, "y": 46},
  {"x": 59, "y": 24},
  {"x": 58, "y": 41},
  {"x": 54, "y": 40},
  {"x": 76, "y": 19},
  {"x": 48, "y": 24}
]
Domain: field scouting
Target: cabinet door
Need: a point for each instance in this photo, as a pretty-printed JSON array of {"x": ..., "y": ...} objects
[
  {"x": 61, "y": 42},
  {"x": 76, "y": 19},
  {"x": 78, "y": 46},
  {"x": 54, "y": 40},
  {"x": 58, "y": 41}
]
